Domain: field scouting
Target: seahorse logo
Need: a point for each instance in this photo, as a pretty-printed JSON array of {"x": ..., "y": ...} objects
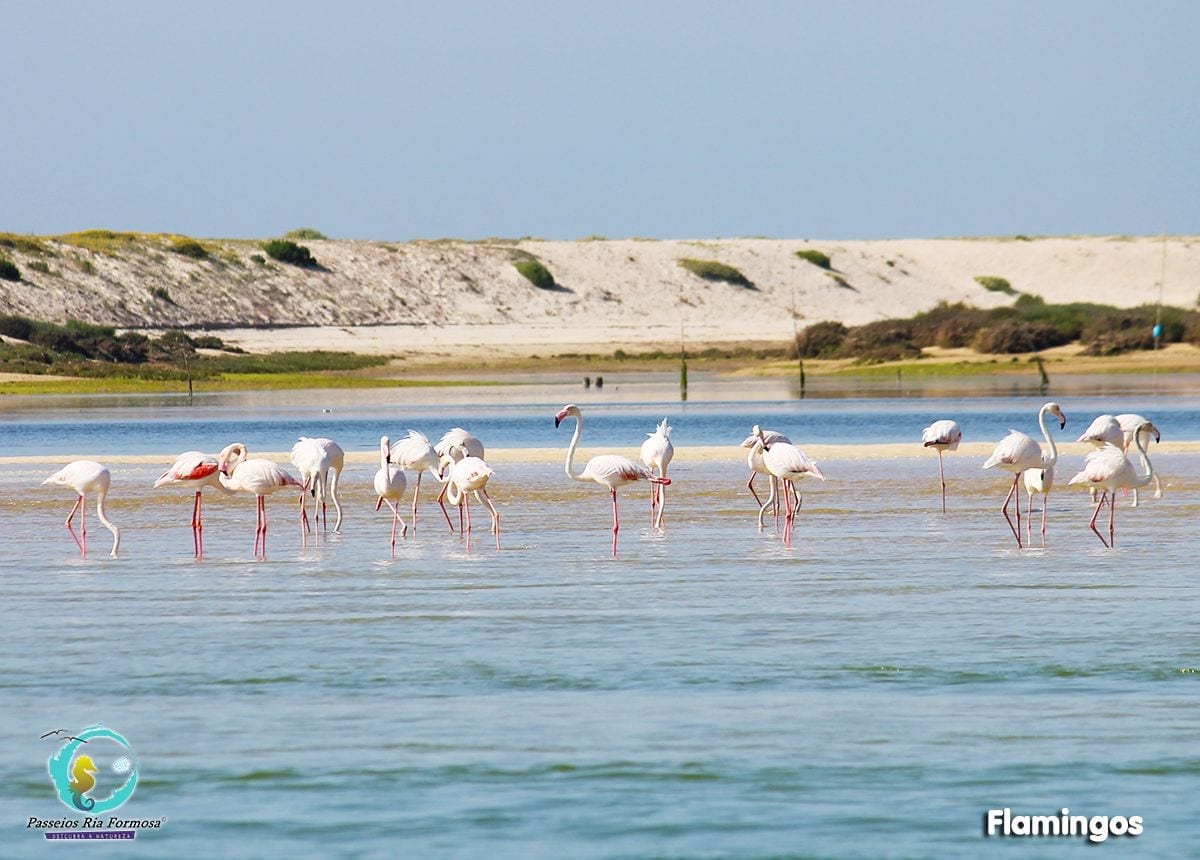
[
  {"x": 83, "y": 780},
  {"x": 84, "y": 777}
]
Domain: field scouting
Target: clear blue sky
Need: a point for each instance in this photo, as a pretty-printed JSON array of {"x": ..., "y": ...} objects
[{"x": 564, "y": 119}]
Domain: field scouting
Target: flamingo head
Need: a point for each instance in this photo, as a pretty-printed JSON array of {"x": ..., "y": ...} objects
[
  {"x": 756, "y": 434},
  {"x": 1056, "y": 410},
  {"x": 385, "y": 450},
  {"x": 1148, "y": 427},
  {"x": 566, "y": 412},
  {"x": 229, "y": 457}
]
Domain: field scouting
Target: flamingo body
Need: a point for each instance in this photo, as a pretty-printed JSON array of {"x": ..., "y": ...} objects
[
  {"x": 320, "y": 462},
  {"x": 1108, "y": 469},
  {"x": 657, "y": 453},
  {"x": 754, "y": 460},
  {"x": 788, "y": 464},
  {"x": 414, "y": 453},
  {"x": 258, "y": 477},
  {"x": 942, "y": 435},
  {"x": 1132, "y": 425},
  {"x": 86, "y": 477},
  {"x": 195, "y": 470},
  {"x": 1017, "y": 453},
  {"x": 390, "y": 484}
]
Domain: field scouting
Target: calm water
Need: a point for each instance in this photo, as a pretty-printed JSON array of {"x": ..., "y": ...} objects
[{"x": 868, "y": 692}]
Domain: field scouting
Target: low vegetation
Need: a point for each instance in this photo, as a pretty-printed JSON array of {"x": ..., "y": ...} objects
[
  {"x": 711, "y": 270},
  {"x": 816, "y": 258},
  {"x": 1029, "y": 325},
  {"x": 189, "y": 248},
  {"x": 286, "y": 251},
  {"x": 9, "y": 270},
  {"x": 536, "y": 273},
  {"x": 305, "y": 233},
  {"x": 995, "y": 284}
]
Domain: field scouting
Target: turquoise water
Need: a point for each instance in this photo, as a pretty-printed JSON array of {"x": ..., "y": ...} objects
[{"x": 870, "y": 691}]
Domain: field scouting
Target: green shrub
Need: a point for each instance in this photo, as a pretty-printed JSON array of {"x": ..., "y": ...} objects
[
  {"x": 711, "y": 270},
  {"x": 19, "y": 327},
  {"x": 39, "y": 266},
  {"x": 536, "y": 274},
  {"x": 1115, "y": 343},
  {"x": 189, "y": 248},
  {"x": 885, "y": 340},
  {"x": 289, "y": 252},
  {"x": 1013, "y": 336},
  {"x": 25, "y": 244},
  {"x": 259, "y": 258},
  {"x": 995, "y": 284},
  {"x": 820, "y": 340},
  {"x": 816, "y": 258},
  {"x": 208, "y": 341},
  {"x": 161, "y": 294},
  {"x": 9, "y": 270},
  {"x": 304, "y": 233}
]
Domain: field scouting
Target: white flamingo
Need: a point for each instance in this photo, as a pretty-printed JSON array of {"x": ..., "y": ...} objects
[
  {"x": 260, "y": 477},
  {"x": 414, "y": 453},
  {"x": 607, "y": 470},
  {"x": 1132, "y": 424},
  {"x": 320, "y": 462},
  {"x": 943, "y": 435},
  {"x": 788, "y": 464},
  {"x": 390, "y": 485},
  {"x": 1108, "y": 469},
  {"x": 470, "y": 475},
  {"x": 1104, "y": 430},
  {"x": 757, "y": 467},
  {"x": 455, "y": 444},
  {"x": 1016, "y": 452},
  {"x": 657, "y": 452},
  {"x": 195, "y": 470},
  {"x": 86, "y": 476}
]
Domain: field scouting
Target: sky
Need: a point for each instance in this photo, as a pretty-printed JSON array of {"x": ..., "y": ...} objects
[{"x": 564, "y": 119}]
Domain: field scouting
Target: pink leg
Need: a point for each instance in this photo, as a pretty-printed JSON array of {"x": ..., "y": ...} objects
[
  {"x": 1016, "y": 530},
  {"x": 441, "y": 502},
  {"x": 662, "y": 502},
  {"x": 1028, "y": 516},
  {"x": 1112, "y": 510},
  {"x": 1096, "y": 513},
  {"x": 416, "y": 495},
  {"x": 262, "y": 525},
  {"x": 197, "y": 525},
  {"x": 788, "y": 489},
  {"x": 616, "y": 520},
  {"x": 74, "y": 537},
  {"x": 750, "y": 487},
  {"x": 942, "y": 478},
  {"x": 775, "y": 482},
  {"x": 1044, "y": 498}
]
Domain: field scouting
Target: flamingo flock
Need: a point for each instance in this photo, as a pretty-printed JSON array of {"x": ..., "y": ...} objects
[{"x": 457, "y": 464}]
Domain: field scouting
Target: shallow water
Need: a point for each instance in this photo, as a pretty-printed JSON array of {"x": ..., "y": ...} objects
[{"x": 869, "y": 691}]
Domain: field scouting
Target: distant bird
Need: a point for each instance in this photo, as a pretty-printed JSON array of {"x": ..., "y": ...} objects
[
  {"x": 86, "y": 476},
  {"x": 607, "y": 470},
  {"x": 413, "y": 453},
  {"x": 260, "y": 477},
  {"x": 1016, "y": 452},
  {"x": 789, "y": 464},
  {"x": 320, "y": 462},
  {"x": 757, "y": 467},
  {"x": 657, "y": 452},
  {"x": 1131, "y": 424},
  {"x": 1108, "y": 469},
  {"x": 942, "y": 436},
  {"x": 195, "y": 470},
  {"x": 390, "y": 484},
  {"x": 455, "y": 444},
  {"x": 470, "y": 475}
]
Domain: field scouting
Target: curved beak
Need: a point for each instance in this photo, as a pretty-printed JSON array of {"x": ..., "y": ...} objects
[{"x": 557, "y": 420}]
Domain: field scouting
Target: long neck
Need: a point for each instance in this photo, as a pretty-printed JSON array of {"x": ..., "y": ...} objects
[
  {"x": 1051, "y": 458},
  {"x": 108, "y": 524},
  {"x": 571, "y": 473},
  {"x": 1149, "y": 476}
]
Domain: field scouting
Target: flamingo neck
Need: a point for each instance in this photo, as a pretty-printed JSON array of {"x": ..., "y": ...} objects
[
  {"x": 108, "y": 524},
  {"x": 1051, "y": 458},
  {"x": 571, "y": 473},
  {"x": 1149, "y": 476}
]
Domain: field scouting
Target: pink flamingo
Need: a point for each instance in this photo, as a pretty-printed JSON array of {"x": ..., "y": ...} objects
[
  {"x": 1016, "y": 452},
  {"x": 1130, "y": 425},
  {"x": 469, "y": 474},
  {"x": 390, "y": 484},
  {"x": 1108, "y": 469},
  {"x": 455, "y": 444},
  {"x": 197, "y": 470},
  {"x": 320, "y": 462},
  {"x": 757, "y": 467},
  {"x": 942, "y": 436},
  {"x": 86, "y": 476},
  {"x": 788, "y": 464},
  {"x": 608, "y": 470},
  {"x": 258, "y": 476},
  {"x": 657, "y": 452},
  {"x": 413, "y": 453}
]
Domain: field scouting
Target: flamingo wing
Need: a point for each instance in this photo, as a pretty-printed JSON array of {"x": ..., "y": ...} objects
[{"x": 613, "y": 470}]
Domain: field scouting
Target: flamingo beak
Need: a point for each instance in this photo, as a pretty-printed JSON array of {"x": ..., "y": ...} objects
[
  {"x": 557, "y": 421},
  {"x": 1157, "y": 435}
]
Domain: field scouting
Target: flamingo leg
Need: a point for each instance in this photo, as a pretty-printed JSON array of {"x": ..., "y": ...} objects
[
  {"x": 1004, "y": 509},
  {"x": 487, "y": 500},
  {"x": 1112, "y": 538},
  {"x": 70, "y": 516},
  {"x": 942, "y": 478},
  {"x": 441, "y": 502},
  {"x": 1028, "y": 516},
  {"x": 416, "y": 495},
  {"x": 197, "y": 528},
  {"x": 616, "y": 520},
  {"x": 1096, "y": 513},
  {"x": 787, "y": 521},
  {"x": 1044, "y": 499},
  {"x": 662, "y": 503},
  {"x": 262, "y": 523},
  {"x": 775, "y": 496},
  {"x": 750, "y": 487}
]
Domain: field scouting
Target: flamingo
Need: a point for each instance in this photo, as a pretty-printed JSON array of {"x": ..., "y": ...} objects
[
  {"x": 320, "y": 462},
  {"x": 1104, "y": 430},
  {"x": 656, "y": 453},
  {"x": 1131, "y": 424},
  {"x": 86, "y": 476},
  {"x": 455, "y": 444},
  {"x": 943, "y": 435},
  {"x": 1016, "y": 452},
  {"x": 788, "y": 464},
  {"x": 413, "y": 453},
  {"x": 469, "y": 474},
  {"x": 198, "y": 470},
  {"x": 1108, "y": 469},
  {"x": 608, "y": 470},
  {"x": 758, "y": 467},
  {"x": 258, "y": 476},
  {"x": 390, "y": 484}
]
